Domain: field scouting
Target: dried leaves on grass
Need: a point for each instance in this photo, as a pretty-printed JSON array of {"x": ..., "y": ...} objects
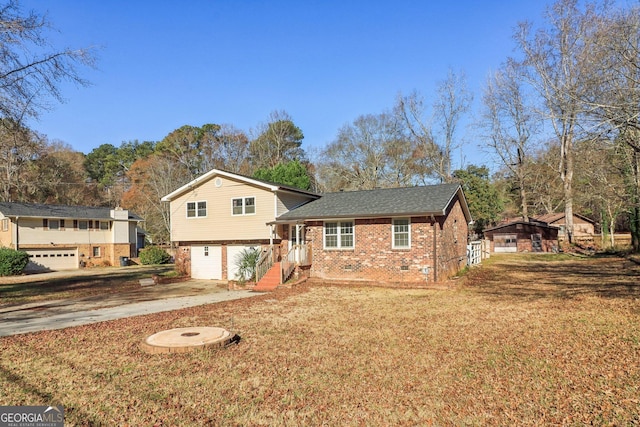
[{"x": 521, "y": 341}]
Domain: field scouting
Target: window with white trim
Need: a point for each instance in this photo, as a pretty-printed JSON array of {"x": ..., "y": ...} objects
[
  {"x": 5, "y": 224},
  {"x": 243, "y": 206},
  {"x": 96, "y": 251},
  {"x": 54, "y": 224},
  {"x": 104, "y": 225},
  {"x": 338, "y": 235},
  {"x": 83, "y": 224},
  {"x": 196, "y": 209},
  {"x": 401, "y": 234}
]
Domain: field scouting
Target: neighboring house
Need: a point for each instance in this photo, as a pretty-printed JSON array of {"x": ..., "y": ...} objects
[
  {"x": 583, "y": 227},
  {"x": 218, "y": 215},
  {"x": 416, "y": 234},
  {"x": 518, "y": 235},
  {"x": 60, "y": 237}
]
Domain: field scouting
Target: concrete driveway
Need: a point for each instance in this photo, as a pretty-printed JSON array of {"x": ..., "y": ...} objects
[{"x": 66, "y": 313}]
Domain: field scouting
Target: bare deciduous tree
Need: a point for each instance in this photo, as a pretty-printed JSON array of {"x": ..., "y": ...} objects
[
  {"x": 561, "y": 70},
  {"x": 151, "y": 179},
  {"x": 18, "y": 147},
  {"x": 508, "y": 125},
  {"x": 30, "y": 68},
  {"x": 615, "y": 100},
  {"x": 275, "y": 142},
  {"x": 372, "y": 152},
  {"x": 434, "y": 135}
]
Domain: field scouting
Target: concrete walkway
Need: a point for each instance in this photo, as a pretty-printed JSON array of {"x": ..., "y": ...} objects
[{"x": 67, "y": 313}]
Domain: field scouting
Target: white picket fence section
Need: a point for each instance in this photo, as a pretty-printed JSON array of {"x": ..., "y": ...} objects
[{"x": 474, "y": 252}]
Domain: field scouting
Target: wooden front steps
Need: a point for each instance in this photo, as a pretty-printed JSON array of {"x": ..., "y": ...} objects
[{"x": 269, "y": 281}]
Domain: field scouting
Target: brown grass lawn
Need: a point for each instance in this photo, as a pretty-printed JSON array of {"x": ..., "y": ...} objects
[
  {"x": 76, "y": 284},
  {"x": 526, "y": 340}
]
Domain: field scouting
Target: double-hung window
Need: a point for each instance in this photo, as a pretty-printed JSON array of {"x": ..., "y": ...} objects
[
  {"x": 401, "y": 234},
  {"x": 196, "y": 209},
  {"x": 338, "y": 235},
  {"x": 243, "y": 206}
]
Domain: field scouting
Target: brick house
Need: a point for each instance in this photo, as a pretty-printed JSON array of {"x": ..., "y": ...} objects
[
  {"x": 411, "y": 235},
  {"x": 400, "y": 235},
  {"x": 58, "y": 237}
]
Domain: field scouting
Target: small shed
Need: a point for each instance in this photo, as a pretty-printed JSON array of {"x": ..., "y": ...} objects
[{"x": 522, "y": 236}]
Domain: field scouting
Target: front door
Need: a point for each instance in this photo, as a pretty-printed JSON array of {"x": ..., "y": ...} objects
[
  {"x": 296, "y": 237},
  {"x": 536, "y": 242}
]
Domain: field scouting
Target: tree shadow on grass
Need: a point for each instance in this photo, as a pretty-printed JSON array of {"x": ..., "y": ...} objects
[
  {"x": 598, "y": 276},
  {"x": 81, "y": 285}
]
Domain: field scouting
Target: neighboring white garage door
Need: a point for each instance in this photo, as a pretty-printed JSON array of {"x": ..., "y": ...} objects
[
  {"x": 232, "y": 255},
  {"x": 206, "y": 262},
  {"x": 52, "y": 259},
  {"x": 505, "y": 243}
]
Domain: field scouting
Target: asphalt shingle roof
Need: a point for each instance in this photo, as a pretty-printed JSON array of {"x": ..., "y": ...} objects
[
  {"x": 34, "y": 210},
  {"x": 432, "y": 199}
]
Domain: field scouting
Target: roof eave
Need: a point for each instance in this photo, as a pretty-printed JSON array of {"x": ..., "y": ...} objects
[
  {"x": 213, "y": 172},
  {"x": 360, "y": 216}
]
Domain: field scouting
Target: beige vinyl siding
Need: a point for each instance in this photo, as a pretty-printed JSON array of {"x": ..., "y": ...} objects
[
  {"x": 288, "y": 201},
  {"x": 32, "y": 233},
  {"x": 219, "y": 224}
]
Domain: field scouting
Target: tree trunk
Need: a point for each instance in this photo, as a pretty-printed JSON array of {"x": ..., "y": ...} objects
[
  {"x": 635, "y": 210},
  {"x": 523, "y": 201},
  {"x": 566, "y": 167}
]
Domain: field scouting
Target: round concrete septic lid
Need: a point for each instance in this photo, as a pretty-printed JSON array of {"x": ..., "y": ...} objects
[{"x": 182, "y": 340}]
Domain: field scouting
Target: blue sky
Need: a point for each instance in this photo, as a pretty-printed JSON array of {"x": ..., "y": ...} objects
[{"x": 164, "y": 64}]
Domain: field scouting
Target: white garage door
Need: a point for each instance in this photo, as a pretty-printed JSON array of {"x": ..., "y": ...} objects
[
  {"x": 206, "y": 262},
  {"x": 52, "y": 260},
  {"x": 233, "y": 252}
]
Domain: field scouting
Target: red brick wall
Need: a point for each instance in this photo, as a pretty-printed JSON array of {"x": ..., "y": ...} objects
[
  {"x": 452, "y": 242},
  {"x": 374, "y": 259}
]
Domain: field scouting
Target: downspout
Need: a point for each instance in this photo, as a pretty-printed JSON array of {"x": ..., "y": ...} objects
[
  {"x": 17, "y": 233},
  {"x": 435, "y": 249}
]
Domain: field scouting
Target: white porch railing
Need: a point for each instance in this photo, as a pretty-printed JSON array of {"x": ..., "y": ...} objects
[{"x": 297, "y": 255}]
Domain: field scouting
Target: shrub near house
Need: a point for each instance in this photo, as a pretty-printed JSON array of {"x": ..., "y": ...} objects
[
  {"x": 154, "y": 255},
  {"x": 12, "y": 262}
]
